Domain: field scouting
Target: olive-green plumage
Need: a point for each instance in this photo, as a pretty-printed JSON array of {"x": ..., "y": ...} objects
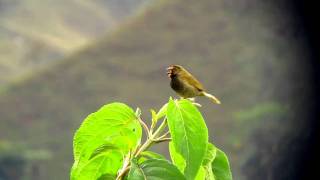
[{"x": 186, "y": 85}]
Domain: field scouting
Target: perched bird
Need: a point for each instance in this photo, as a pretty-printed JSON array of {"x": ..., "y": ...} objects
[{"x": 185, "y": 85}]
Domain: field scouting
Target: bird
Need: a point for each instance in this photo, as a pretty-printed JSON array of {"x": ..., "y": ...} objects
[{"x": 186, "y": 85}]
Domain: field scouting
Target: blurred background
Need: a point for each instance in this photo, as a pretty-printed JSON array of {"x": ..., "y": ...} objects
[{"x": 61, "y": 60}]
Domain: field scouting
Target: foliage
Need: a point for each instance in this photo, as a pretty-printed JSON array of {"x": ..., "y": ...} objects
[
  {"x": 260, "y": 111},
  {"x": 18, "y": 161},
  {"x": 12, "y": 162},
  {"x": 108, "y": 145}
]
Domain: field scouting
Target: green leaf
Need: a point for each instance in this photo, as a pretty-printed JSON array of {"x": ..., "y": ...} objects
[
  {"x": 154, "y": 169},
  {"x": 105, "y": 163},
  {"x": 206, "y": 168},
  {"x": 103, "y": 148},
  {"x": 156, "y": 116},
  {"x": 189, "y": 135},
  {"x": 107, "y": 177},
  {"x": 202, "y": 174},
  {"x": 145, "y": 155},
  {"x": 177, "y": 158},
  {"x": 162, "y": 112},
  {"x": 153, "y": 117},
  {"x": 210, "y": 155},
  {"x": 220, "y": 166},
  {"x": 114, "y": 126}
]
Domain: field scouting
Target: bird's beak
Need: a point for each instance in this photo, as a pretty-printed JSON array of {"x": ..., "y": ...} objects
[{"x": 169, "y": 71}]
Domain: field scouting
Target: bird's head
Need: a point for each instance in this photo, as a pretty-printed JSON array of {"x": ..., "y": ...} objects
[{"x": 174, "y": 70}]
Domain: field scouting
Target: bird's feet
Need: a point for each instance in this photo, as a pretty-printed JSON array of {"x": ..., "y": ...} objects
[{"x": 193, "y": 100}]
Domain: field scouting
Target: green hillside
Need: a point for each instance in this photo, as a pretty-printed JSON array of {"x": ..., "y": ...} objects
[
  {"x": 238, "y": 50},
  {"x": 34, "y": 33}
]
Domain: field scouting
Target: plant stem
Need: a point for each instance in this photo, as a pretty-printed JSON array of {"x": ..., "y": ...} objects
[
  {"x": 163, "y": 140},
  {"x": 146, "y": 129},
  {"x": 150, "y": 140},
  {"x": 123, "y": 172},
  {"x": 164, "y": 135}
]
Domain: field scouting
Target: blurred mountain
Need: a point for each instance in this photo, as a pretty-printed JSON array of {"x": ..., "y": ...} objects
[
  {"x": 34, "y": 33},
  {"x": 238, "y": 49}
]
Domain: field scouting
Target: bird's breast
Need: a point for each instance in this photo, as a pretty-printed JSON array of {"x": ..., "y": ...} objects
[
  {"x": 183, "y": 89},
  {"x": 176, "y": 84}
]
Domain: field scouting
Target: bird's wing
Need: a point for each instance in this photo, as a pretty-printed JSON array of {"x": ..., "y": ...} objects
[{"x": 192, "y": 81}]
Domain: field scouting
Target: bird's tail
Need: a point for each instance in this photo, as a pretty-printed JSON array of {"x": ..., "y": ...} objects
[{"x": 212, "y": 98}]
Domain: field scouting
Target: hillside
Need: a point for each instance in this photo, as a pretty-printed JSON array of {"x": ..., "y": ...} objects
[
  {"x": 35, "y": 33},
  {"x": 239, "y": 50}
]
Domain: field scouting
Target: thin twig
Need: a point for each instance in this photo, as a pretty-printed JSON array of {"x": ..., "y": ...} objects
[
  {"x": 145, "y": 127},
  {"x": 122, "y": 173},
  {"x": 164, "y": 135},
  {"x": 152, "y": 138},
  {"x": 126, "y": 164},
  {"x": 162, "y": 140}
]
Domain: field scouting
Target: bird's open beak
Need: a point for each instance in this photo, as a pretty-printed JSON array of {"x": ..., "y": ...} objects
[{"x": 169, "y": 71}]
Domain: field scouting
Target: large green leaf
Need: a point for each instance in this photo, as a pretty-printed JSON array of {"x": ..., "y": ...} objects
[
  {"x": 114, "y": 126},
  {"x": 189, "y": 135},
  {"x": 176, "y": 157},
  {"x": 105, "y": 163},
  {"x": 107, "y": 177},
  {"x": 154, "y": 169},
  {"x": 202, "y": 174},
  {"x": 206, "y": 167},
  {"x": 145, "y": 155},
  {"x": 220, "y": 166}
]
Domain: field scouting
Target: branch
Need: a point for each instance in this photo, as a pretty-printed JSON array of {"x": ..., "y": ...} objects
[
  {"x": 152, "y": 138},
  {"x": 164, "y": 135},
  {"x": 125, "y": 167},
  {"x": 145, "y": 127},
  {"x": 162, "y": 140},
  {"x": 123, "y": 173}
]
